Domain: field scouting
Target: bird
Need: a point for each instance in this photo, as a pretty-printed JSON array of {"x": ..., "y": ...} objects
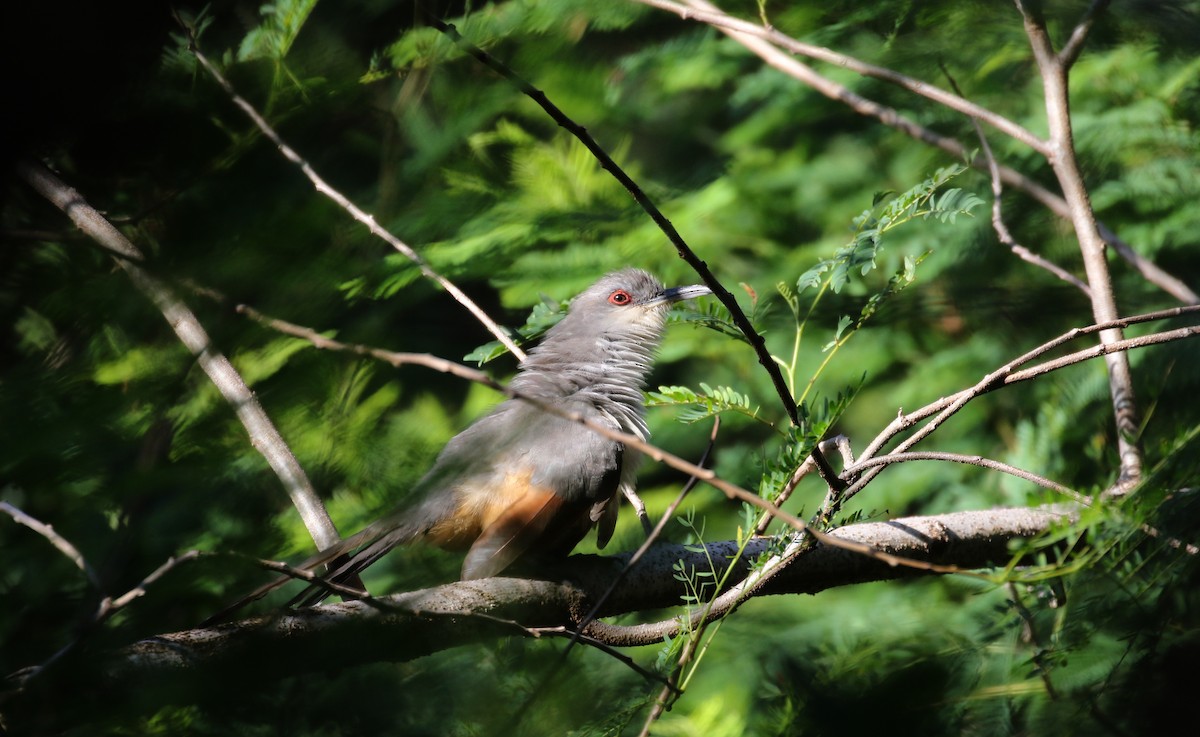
[{"x": 521, "y": 482}]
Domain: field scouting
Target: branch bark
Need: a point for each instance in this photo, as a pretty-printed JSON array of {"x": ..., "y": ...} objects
[
  {"x": 198, "y": 663},
  {"x": 354, "y": 210},
  {"x": 1054, "y": 73},
  {"x": 755, "y": 38},
  {"x": 263, "y": 435}
]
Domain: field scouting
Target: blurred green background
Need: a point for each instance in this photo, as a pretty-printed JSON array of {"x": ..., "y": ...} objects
[{"x": 113, "y": 435}]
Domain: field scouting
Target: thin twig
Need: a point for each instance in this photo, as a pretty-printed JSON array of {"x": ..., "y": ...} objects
[
  {"x": 105, "y": 610},
  {"x": 998, "y": 224},
  {"x": 705, "y": 12},
  {"x": 355, "y": 212},
  {"x": 972, "y": 460},
  {"x": 1008, "y": 374},
  {"x": 1070, "y": 50},
  {"x": 841, "y": 443},
  {"x": 890, "y": 117},
  {"x": 573, "y": 635},
  {"x": 110, "y": 606},
  {"x": 63, "y": 545}
]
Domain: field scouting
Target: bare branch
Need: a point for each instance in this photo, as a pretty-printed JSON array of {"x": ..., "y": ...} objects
[
  {"x": 263, "y": 435},
  {"x": 998, "y": 224},
  {"x": 890, "y": 117},
  {"x": 705, "y": 12},
  {"x": 945, "y": 407},
  {"x": 1070, "y": 50},
  {"x": 1104, "y": 349},
  {"x": 355, "y": 212},
  {"x": 63, "y": 545},
  {"x": 110, "y": 606},
  {"x": 973, "y": 460},
  {"x": 1091, "y": 245}
]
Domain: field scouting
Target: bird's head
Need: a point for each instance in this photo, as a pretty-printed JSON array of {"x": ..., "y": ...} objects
[{"x": 627, "y": 300}]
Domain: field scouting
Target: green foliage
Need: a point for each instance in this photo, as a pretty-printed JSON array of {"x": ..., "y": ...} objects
[
  {"x": 113, "y": 436},
  {"x": 282, "y": 23},
  {"x": 544, "y": 315},
  {"x": 706, "y": 403}
]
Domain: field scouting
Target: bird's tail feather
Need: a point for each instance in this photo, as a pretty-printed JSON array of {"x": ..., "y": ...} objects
[{"x": 343, "y": 561}]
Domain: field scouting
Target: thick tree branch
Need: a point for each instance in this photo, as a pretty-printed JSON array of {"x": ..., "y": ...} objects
[{"x": 409, "y": 625}]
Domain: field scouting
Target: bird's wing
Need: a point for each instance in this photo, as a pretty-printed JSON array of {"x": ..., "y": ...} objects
[
  {"x": 550, "y": 490},
  {"x": 519, "y": 527}
]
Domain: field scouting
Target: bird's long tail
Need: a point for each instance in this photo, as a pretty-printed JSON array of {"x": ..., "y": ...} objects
[{"x": 343, "y": 562}]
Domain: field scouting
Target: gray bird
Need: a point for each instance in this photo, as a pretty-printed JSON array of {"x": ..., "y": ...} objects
[{"x": 523, "y": 482}]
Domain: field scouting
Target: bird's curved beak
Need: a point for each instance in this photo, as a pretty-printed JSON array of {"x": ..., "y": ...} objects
[{"x": 678, "y": 294}]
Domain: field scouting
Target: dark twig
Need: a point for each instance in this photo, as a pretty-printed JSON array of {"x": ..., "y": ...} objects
[
  {"x": 106, "y": 609},
  {"x": 573, "y": 635},
  {"x": 841, "y": 443},
  {"x": 685, "y": 252}
]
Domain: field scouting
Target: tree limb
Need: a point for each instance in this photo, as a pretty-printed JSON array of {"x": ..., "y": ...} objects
[
  {"x": 263, "y": 435},
  {"x": 400, "y": 627},
  {"x": 355, "y": 212},
  {"x": 1063, "y": 161},
  {"x": 780, "y": 60}
]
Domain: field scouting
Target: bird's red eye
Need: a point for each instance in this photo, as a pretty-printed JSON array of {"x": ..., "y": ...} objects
[{"x": 619, "y": 297}]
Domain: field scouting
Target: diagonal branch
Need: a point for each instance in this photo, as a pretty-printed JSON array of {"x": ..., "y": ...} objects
[
  {"x": 606, "y": 162},
  {"x": 1070, "y": 50},
  {"x": 998, "y": 224},
  {"x": 263, "y": 435},
  {"x": 63, "y": 545},
  {"x": 1053, "y": 71},
  {"x": 776, "y": 58},
  {"x": 705, "y": 12},
  {"x": 1008, "y": 374},
  {"x": 356, "y": 212}
]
